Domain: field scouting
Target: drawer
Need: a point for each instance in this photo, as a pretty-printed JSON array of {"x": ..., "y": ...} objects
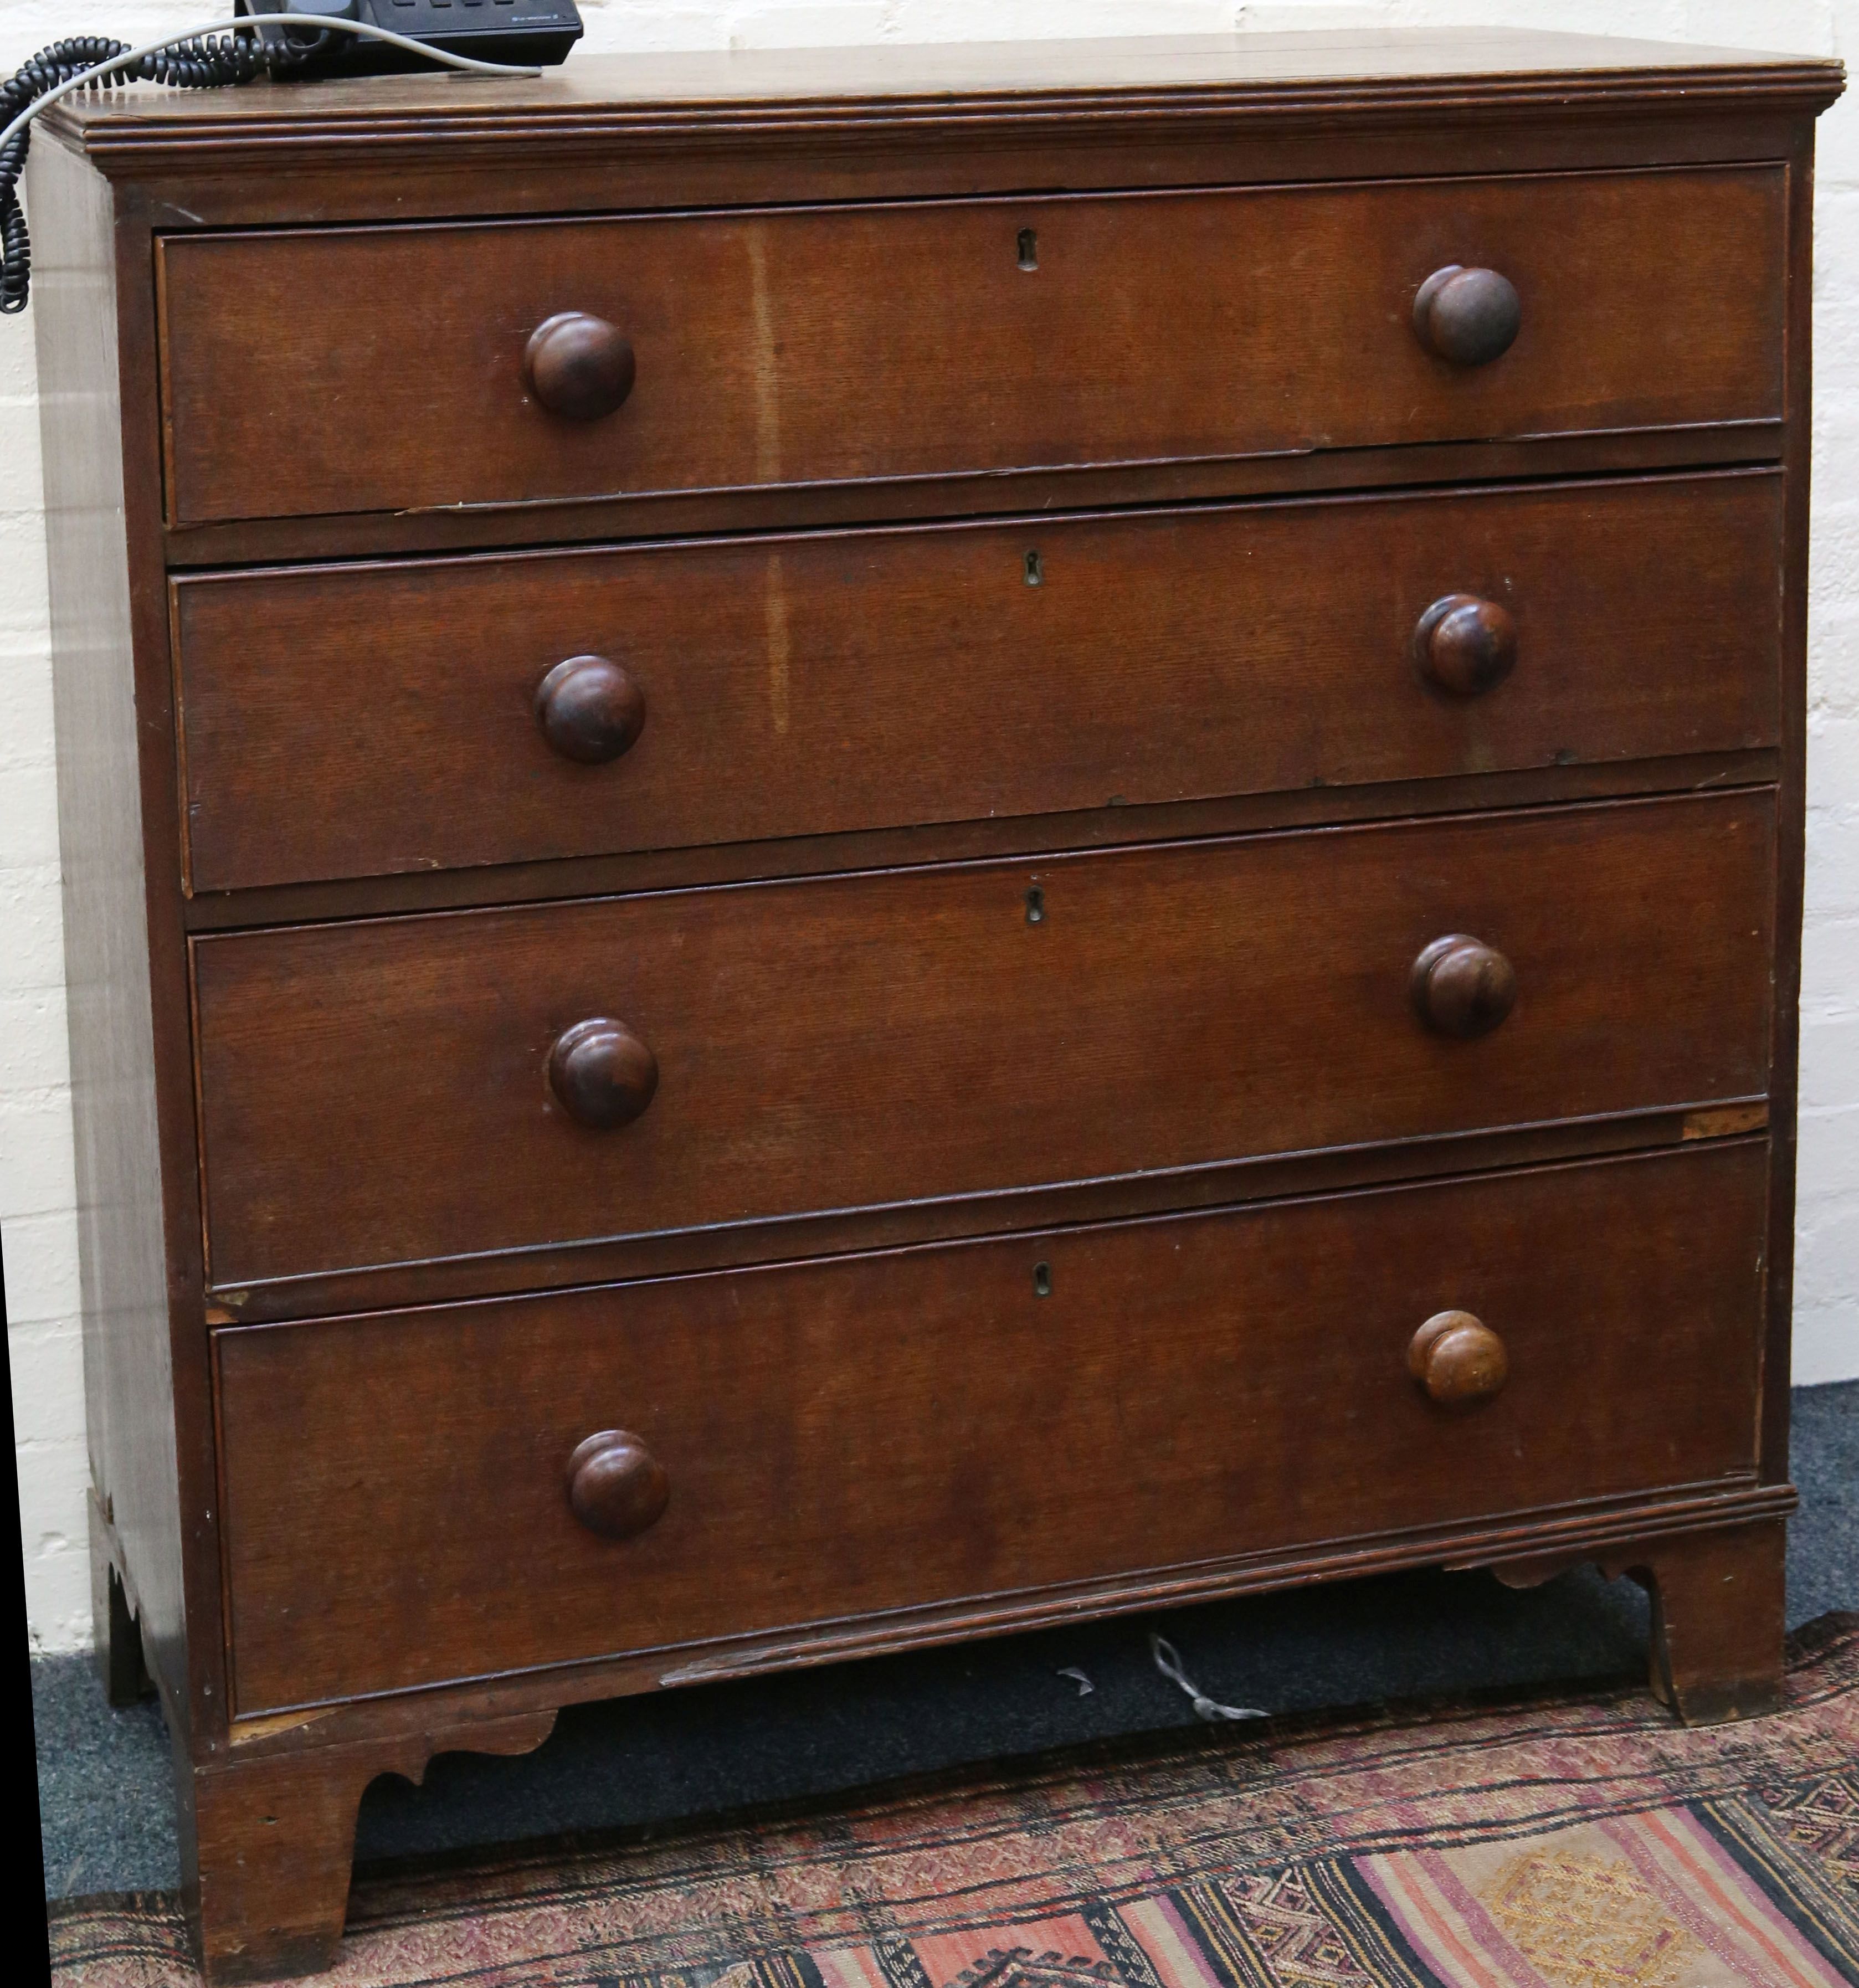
[
  {"x": 846, "y": 681},
  {"x": 850, "y": 344},
  {"x": 381, "y": 1091},
  {"x": 910, "y": 1430}
]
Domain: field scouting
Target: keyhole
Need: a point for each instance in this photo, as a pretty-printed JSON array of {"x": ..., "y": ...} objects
[
  {"x": 1042, "y": 1280},
  {"x": 1036, "y": 570},
  {"x": 1035, "y": 906},
  {"x": 1030, "y": 249}
]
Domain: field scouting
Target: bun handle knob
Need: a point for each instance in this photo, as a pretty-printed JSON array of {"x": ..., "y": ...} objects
[
  {"x": 603, "y": 1073},
  {"x": 1458, "y": 1358},
  {"x": 1467, "y": 317},
  {"x": 578, "y": 367},
  {"x": 590, "y": 709},
  {"x": 617, "y": 1487},
  {"x": 1462, "y": 987},
  {"x": 1465, "y": 645}
]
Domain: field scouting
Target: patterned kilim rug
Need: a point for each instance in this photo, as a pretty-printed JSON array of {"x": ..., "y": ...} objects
[{"x": 1564, "y": 1841}]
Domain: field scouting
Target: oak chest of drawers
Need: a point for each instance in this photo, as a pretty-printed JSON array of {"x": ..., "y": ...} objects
[{"x": 864, "y": 848}]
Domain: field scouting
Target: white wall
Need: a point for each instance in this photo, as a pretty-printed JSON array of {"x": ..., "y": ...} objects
[{"x": 36, "y": 1192}]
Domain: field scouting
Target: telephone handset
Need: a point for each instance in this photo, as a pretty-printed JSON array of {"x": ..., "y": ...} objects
[
  {"x": 270, "y": 37},
  {"x": 503, "y": 31}
]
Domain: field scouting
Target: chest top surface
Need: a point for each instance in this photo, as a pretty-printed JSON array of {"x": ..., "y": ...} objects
[{"x": 1402, "y": 72}]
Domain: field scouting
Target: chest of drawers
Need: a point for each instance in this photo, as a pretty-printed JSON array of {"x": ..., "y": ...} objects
[{"x": 861, "y": 849}]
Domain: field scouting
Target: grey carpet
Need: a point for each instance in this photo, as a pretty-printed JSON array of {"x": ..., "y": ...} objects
[{"x": 103, "y": 1776}]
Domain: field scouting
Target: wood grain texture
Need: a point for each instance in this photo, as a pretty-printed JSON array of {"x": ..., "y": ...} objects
[
  {"x": 880, "y": 343},
  {"x": 380, "y": 534},
  {"x": 678, "y": 1252},
  {"x": 1719, "y": 1612},
  {"x": 378, "y": 1092},
  {"x": 266, "y": 1844},
  {"x": 835, "y": 683},
  {"x": 878, "y": 1431},
  {"x": 1585, "y": 1528},
  {"x": 1113, "y": 826}
]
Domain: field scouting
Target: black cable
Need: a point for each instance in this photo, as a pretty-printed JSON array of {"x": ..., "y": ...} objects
[
  {"x": 209, "y": 62},
  {"x": 207, "y": 59}
]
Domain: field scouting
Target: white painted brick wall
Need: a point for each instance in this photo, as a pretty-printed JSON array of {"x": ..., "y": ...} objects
[{"x": 36, "y": 1192}]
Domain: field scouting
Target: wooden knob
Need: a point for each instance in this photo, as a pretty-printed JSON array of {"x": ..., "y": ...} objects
[
  {"x": 1465, "y": 645},
  {"x": 590, "y": 709},
  {"x": 1468, "y": 317},
  {"x": 1463, "y": 987},
  {"x": 603, "y": 1073},
  {"x": 616, "y": 1486},
  {"x": 1457, "y": 1357},
  {"x": 578, "y": 366}
]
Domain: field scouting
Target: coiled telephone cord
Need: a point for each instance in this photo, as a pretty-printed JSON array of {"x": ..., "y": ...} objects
[
  {"x": 211, "y": 58},
  {"x": 204, "y": 62}
]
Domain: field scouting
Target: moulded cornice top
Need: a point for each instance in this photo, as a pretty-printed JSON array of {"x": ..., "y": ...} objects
[{"x": 866, "y": 93}]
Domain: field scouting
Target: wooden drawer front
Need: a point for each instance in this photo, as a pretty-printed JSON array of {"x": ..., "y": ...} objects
[
  {"x": 882, "y": 1433},
  {"x": 379, "y": 1092},
  {"x": 873, "y": 679},
  {"x": 833, "y": 345}
]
